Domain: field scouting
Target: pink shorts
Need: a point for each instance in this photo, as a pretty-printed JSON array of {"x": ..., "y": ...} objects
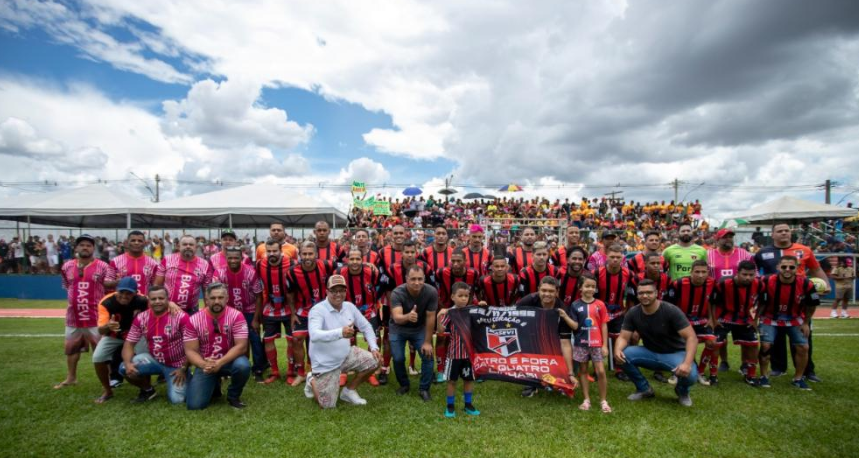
[{"x": 80, "y": 340}]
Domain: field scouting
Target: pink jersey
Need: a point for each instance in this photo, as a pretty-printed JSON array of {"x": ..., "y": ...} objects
[
  {"x": 164, "y": 335},
  {"x": 142, "y": 269},
  {"x": 597, "y": 260},
  {"x": 184, "y": 279},
  {"x": 216, "y": 335},
  {"x": 242, "y": 287},
  {"x": 85, "y": 287},
  {"x": 726, "y": 265},
  {"x": 219, "y": 260}
]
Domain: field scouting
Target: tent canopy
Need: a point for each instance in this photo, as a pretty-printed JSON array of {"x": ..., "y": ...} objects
[
  {"x": 253, "y": 205},
  {"x": 792, "y": 209},
  {"x": 90, "y": 206}
]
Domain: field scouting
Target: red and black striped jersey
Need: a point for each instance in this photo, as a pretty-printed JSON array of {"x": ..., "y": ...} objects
[
  {"x": 529, "y": 278},
  {"x": 559, "y": 257},
  {"x": 501, "y": 294},
  {"x": 332, "y": 252},
  {"x": 275, "y": 284},
  {"x": 361, "y": 286},
  {"x": 436, "y": 259},
  {"x": 373, "y": 258},
  {"x": 786, "y": 304},
  {"x": 478, "y": 260},
  {"x": 398, "y": 274},
  {"x": 390, "y": 256},
  {"x": 445, "y": 278},
  {"x": 568, "y": 290},
  {"x": 662, "y": 284},
  {"x": 693, "y": 300},
  {"x": 638, "y": 266},
  {"x": 520, "y": 259},
  {"x": 735, "y": 304},
  {"x": 309, "y": 287},
  {"x": 616, "y": 290}
]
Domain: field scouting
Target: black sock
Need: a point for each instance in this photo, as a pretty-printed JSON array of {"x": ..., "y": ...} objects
[
  {"x": 469, "y": 405},
  {"x": 450, "y": 407}
]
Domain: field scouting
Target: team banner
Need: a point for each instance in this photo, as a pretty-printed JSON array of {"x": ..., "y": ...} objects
[
  {"x": 358, "y": 187},
  {"x": 382, "y": 208},
  {"x": 519, "y": 345}
]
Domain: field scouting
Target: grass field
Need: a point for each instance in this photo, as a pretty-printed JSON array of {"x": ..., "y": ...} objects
[{"x": 729, "y": 420}]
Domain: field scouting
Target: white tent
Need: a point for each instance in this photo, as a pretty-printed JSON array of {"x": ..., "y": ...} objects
[
  {"x": 794, "y": 210},
  {"x": 254, "y": 205},
  {"x": 90, "y": 206}
]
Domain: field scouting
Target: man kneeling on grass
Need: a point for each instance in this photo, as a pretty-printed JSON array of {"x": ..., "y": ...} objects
[
  {"x": 331, "y": 325},
  {"x": 669, "y": 344}
]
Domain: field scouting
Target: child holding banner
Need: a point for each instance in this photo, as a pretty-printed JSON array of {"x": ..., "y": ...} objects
[
  {"x": 458, "y": 364},
  {"x": 591, "y": 339}
]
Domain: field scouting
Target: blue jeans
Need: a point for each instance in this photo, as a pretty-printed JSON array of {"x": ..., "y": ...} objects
[
  {"x": 398, "y": 352},
  {"x": 148, "y": 366},
  {"x": 257, "y": 350},
  {"x": 202, "y": 385},
  {"x": 642, "y": 357}
]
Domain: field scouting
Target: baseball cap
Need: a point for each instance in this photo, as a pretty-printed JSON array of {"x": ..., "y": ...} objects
[
  {"x": 86, "y": 237},
  {"x": 127, "y": 284},
  {"x": 229, "y": 233},
  {"x": 723, "y": 233},
  {"x": 475, "y": 229},
  {"x": 607, "y": 234},
  {"x": 336, "y": 280}
]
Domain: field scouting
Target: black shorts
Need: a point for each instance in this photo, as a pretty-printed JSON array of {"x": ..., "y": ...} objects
[
  {"x": 271, "y": 327},
  {"x": 741, "y": 334},
  {"x": 704, "y": 332},
  {"x": 385, "y": 313},
  {"x": 614, "y": 326},
  {"x": 456, "y": 369},
  {"x": 300, "y": 329}
]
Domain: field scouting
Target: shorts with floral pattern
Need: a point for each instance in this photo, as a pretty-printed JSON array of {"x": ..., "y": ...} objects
[{"x": 327, "y": 385}]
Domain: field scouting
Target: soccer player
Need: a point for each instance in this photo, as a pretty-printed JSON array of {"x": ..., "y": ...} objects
[
  {"x": 615, "y": 284},
  {"x": 735, "y": 300},
  {"x": 307, "y": 281},
  {"x": 273, "y": 311},
  {"x": 185, "y": 275},
  {"x": 787, "y": 301},
  {"x": 458, "y": 363},
  {"x": 393, "y": 253},
  {"x": 219, "y": 259},
  {"x": 134, "y": 263},
  {"x": 437, "y": 256},
  {"x": 573, "y": 239},
  {"x": 523, "y": 256},
  {"x": 767, "y": 259},
  {"x": 499, "y": 288},
  {"x": 445, "y": 278},
  {"x": 692, "y": 296},
  {"x": 362, "y": 283},
  {"x": 652, "y": 243},
  {"x": 591, "y": 339},
  {"x": 116, "y": 311},
  {"x": 84, "y": 279},
  {"x": 570, "y": 274},
  {"x": 164, "y": 332},
  {"x": 216, "y": 343},
  {"x": 682, "y": 254},
  {"x": 327, "y": 249},
  {"x": 530, "y": 276},
  {"x": 276, "y": 232},
  {"x": 361, "y": 239},
  {"x": 477, "y": 256},
  {"x": 244, "y": 289}
]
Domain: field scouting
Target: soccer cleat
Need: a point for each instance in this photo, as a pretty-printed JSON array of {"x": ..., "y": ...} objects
[
  {"x": 751, "y": 381},
  {"x": 383, "y": 378},
  {"x": 259, "y": 378},
  {"x": 373, "y": 381},
  {"x": 425, "y": 395},
  {"x": 145, "y": 395},
  {"x": 813, "y": 378},
  {"x": 776, "y": 373},
  {"x": 402, "y": 390},
  {"x": 660, "y": 377},
  {"x": 413, "y": 371},
  {"x": 308, "y": 390},
  {"x": 764, "y": 382},
  {"x": 471, "y": 410},
  {"x": 800, "y": 383},
  {"x": 290, "y": 379},
  {"x": 714, "y": 380},
  {"x": 439, "y": 378},
  {"x": 743, "y": 369},
  {"x": 833, "y": 314},
  {"x": 529, "y": 391},
  {"x": 724, "y": 366},
  {"x": 114, "y": 383},
  {"x": 844, "y": 314},
  {"x": 236, "y": 403},
  {"x": 639, "y": 395},
  {"x": 672, "y": 380},
  {"x": 352, "y": 397},
  {"x": 703, "y": 380},
  {"x": 685, "y": 400},
  {"x": 622, "y": 376},
  {"x": 449, "y": 412}
]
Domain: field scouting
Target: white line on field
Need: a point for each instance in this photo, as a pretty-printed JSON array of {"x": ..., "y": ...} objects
[
  {"x": 826, "y": 334},
  {"x": 32, "y": 335}
]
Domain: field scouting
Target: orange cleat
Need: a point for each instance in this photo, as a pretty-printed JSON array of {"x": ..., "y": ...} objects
[{"x": 373, "y": 381}]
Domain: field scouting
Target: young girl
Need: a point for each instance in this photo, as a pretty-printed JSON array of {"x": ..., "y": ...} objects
[
  {"x": 458, "y": 364},
  {"x": 591, "y": 339}
]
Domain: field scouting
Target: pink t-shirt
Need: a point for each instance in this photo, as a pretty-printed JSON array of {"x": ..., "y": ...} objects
[
  {"x": 142, "y": 269},
  {"x": 219, "y": 260},
  {"x": 242, "y": 287},
  {"x": 164, "y": 335},
  {"x": 184, "y": 279},
  {"x": 216, "y": 335},
  {"x": 85, "y": 288},
  {"x": 726, "y": 266}
]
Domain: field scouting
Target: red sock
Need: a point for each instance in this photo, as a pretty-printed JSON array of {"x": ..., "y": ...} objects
[
  {"x": 299, "y": 367},
  {"x": 290, "y": 356},
  {"x": 705, "y": 360},
  {"x": 386, "y": 351},
  {"x": 271, "y": 356},
  {"x": 412, "y": 354},
  {"x": 751, "y": 368},
  {"x": 440, "y": 355},
  {"x": 714, "y": 363}
]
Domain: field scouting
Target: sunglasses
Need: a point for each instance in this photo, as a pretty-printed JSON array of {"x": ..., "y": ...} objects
[{"x": 788, "y": 267}]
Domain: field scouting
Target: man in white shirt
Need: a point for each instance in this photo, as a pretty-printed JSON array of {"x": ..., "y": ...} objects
[{"x": 331, "y": 325}]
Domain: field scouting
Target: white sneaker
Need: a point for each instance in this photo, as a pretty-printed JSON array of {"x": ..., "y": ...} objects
[
  {"x": 413, "y": 371},
  {"x": 844, "y": 314},
  {"x": 703, "y": 380},
  {"x": 672, "y": 380},
  {"x": 833, "y": 314},
  {"x": 352, "y": 397},
  {"x": 308, "y": 389}
]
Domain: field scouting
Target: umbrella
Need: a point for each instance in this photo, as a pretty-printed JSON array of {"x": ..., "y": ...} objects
[
  {"x": 447, "y": 191},
  {"x": 473, "y": 195},
  {"x": 488, "y": 196},
  {"x": 412, "y": 191},
  {"x": 511, "y": 188}
]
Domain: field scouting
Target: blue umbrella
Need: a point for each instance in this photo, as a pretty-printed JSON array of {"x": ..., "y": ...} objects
[{"x": 412, "y": 191}]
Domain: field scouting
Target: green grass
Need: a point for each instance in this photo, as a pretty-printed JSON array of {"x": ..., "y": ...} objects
[
  {"x": 32, "y": 304},
  {"x": 729, "y": 420}
]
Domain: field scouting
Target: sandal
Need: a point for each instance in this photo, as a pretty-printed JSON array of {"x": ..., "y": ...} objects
[
  {"x": 605, "y": 407},
  {"x": 103, "y": 398},
  {"x": 586, "y": 405},
  {"x": 64, "y": 384}
]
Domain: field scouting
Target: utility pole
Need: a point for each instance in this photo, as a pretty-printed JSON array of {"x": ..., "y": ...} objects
[
  {"x": 828, "y": 186},
  {"x": 612, "y": 194},
  {"x": 157, "y": 183},
  {"x": 676, "y": 185}
]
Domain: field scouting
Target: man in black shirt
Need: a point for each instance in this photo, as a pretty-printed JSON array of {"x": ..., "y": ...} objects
[
  {"x": 669, "y": 344},
  {"x": 413, "y": 309}
]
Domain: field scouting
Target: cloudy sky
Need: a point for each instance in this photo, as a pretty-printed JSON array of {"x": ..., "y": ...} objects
[{"x": 740, "y": 100}]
